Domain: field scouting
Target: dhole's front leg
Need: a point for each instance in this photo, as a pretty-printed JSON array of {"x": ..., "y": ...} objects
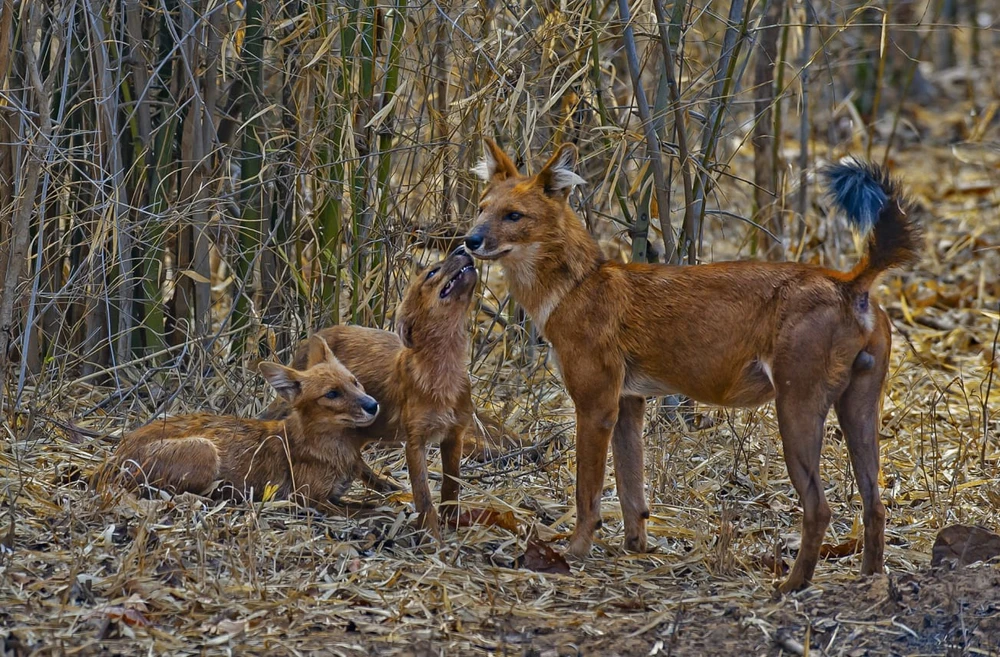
[
  {"x": 626, "y": 447},
  {"x": 416, "y": 463},
  {"x": 595, "y": 420}
]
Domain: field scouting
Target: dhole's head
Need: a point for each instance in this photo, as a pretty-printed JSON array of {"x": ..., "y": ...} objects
[
  {"x": 437, "y": 300},
  {"x": 517, "y": 213},
  {"x": 325, "y": 394}
]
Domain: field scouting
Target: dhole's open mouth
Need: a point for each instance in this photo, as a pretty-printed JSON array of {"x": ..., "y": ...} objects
[
  {"x": 462, "y": 276},
  {"x": 494, "y": 255},
  {"x": 366, "y": 420}
]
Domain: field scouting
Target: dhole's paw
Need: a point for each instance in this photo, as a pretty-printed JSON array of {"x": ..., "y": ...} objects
[
  {"x": 430, "y": 523},
  {"x": 579, "y": 546},
  {"x": 636, "y": 543},
  {"x": 382, "y": 484},
  {"x": 871, "y": 565},
  {"x": 792, "y": 584}
]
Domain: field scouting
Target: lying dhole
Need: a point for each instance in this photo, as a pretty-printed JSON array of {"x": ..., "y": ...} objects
[
  {"x": 304, "y": 455},
  {"x": 420, "y": 374},
  {"x": 729, "y": 333}
]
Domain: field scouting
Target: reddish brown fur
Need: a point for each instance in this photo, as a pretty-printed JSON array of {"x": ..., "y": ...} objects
[
  {"x": 306, "y": 454},
  {"x": 420, "y": 376},
  {"x": 734, "y": 333}
]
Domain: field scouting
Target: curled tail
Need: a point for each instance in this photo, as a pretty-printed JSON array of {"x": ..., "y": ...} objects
[{"x": 874, "y": 204}]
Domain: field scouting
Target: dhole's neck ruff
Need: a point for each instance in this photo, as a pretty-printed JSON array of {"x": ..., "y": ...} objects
[
  {"x": 438, "y": 365},
  {"x": 540, "y": 275}
]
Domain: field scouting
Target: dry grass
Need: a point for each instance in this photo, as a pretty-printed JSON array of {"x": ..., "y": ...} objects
[
  {"x": 82, "y": 574},
  {"x": 187, "y": 573}
]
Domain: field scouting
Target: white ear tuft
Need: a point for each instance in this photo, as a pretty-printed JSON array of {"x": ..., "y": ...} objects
[
  {"x": 565, "y": 179},
  {"x": 562, "y": 171},
  {"x": 486, "y": 167}
]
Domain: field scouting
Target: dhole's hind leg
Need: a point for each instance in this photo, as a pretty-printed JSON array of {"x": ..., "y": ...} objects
[
  {"x": 800, "y": 420},
  {"x": 626, "y": 446},
  {"x": 858, "y": 412},
  {"x": 186, "y": 465},
  {"x": 808, "y": 375}
]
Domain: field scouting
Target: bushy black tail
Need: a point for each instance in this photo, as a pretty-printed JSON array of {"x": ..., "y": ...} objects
[{"x": 875, "y": 205}]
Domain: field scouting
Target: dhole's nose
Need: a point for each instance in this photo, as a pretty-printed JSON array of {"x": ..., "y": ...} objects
[
  {"x": 473, "y": 241},
  {"x": 460, "y": 250},
  {"x": 369, "y": 404}
]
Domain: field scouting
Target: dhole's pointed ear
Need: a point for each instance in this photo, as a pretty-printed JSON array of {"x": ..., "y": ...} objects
[
  {"x": 319, "y": 352},
  {"x": 559, "y": 175},
  {"x": 495, "y": 165},
  {"x": 283, "y": 379}
]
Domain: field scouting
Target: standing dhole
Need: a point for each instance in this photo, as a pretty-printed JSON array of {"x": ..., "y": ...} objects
[
  {"x": 420, "y": 374},
  {"x": 306, "y": 454},
  {"x": 729, "y": 333}
]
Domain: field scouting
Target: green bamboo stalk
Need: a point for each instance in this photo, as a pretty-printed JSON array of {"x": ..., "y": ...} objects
[
  {"x": 361, "y": 218},
  {"x": 390, "y": 86},
  {"x": 330, "y": 218},
  {"x": 251, "y": 232},
  {"x": 140, "y": 181}
]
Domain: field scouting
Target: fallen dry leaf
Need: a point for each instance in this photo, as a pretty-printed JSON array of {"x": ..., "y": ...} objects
[
  {"x": 962, "y": 545},
  {"x": 541, "y": 558},
  {"x": 127, "y": 615},
  {"x": 774, "y": 566},
  {"x": 488, "y": 517},
  {"x": 841, "y": 550}
]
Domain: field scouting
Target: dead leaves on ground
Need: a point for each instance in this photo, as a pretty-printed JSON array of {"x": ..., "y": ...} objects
[
  {"x": 841, "y": 550},
  {"x": 962, "y": 545},
  {"x": 487, "y": 517},
  {"x": 541, "y": 558}
]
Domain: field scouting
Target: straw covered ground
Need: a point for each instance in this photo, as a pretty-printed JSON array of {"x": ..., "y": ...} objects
[{"x": 121, "y": 575}]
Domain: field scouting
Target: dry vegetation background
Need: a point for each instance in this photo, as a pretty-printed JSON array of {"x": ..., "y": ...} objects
[{"x": 189, "y": 186}]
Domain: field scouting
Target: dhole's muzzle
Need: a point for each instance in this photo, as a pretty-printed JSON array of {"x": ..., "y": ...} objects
[
  {"x": 458, "y": 273},
  {"x": 483, "y": 245},
  {"x": 368, "y": 411}
]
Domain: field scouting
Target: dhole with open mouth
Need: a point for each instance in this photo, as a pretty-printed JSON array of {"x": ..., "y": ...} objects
[
  {"x": 420, "y": 375},
  {"x": 305, "y": 454},
  {"x": 729, "y": 333}
]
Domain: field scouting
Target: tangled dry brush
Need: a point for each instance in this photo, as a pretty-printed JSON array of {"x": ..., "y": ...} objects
[{"x": 194, "y": 185}]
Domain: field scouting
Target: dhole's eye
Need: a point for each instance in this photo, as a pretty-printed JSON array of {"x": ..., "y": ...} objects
[
  {"x": 512, "y": 216},
  {"x": 332, "y": 394},
  {"x": 431, "y": 273}
]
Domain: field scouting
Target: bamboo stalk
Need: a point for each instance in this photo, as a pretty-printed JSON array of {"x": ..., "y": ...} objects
[
  {"x": 603, "y": 113},
  {"x": 804, "y": 114},
  {"x": 764, "y": 138},
  {"x": 640, "y": 231},
  {"x": 118, "y": 215},
  {"x": 680, "y": 129},
  {"x": 41, "y": 94},
  {"x": 735, "y": 34},
  {"x": 251, "y": 160}
]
